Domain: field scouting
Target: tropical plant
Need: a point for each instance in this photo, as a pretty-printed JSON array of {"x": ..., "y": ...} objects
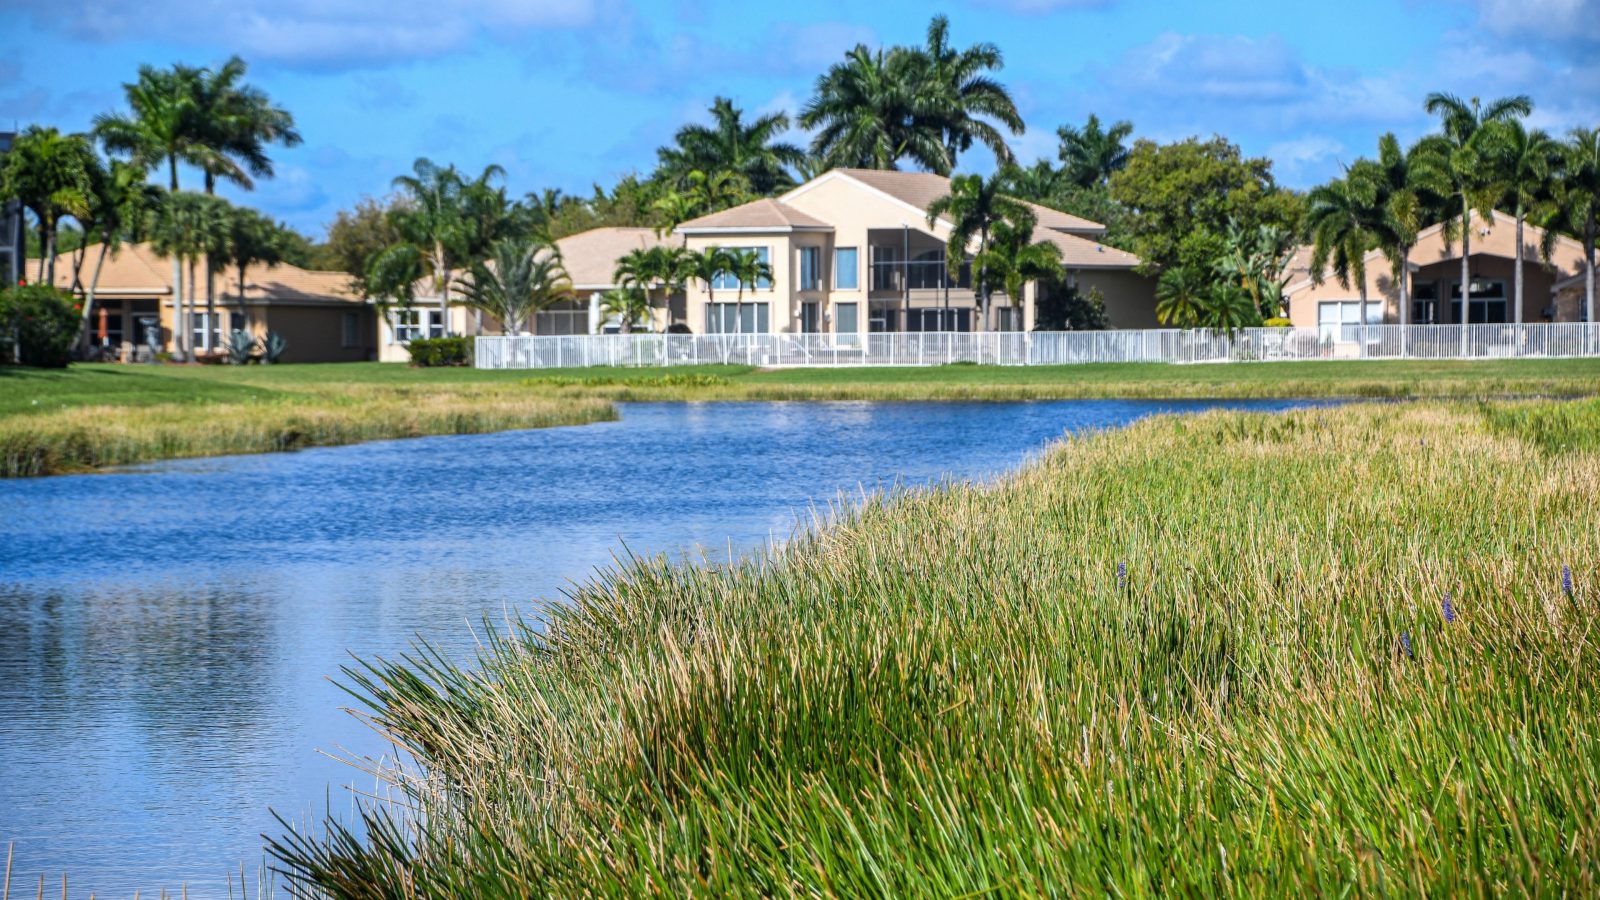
[
  {"x": 1012, "y": 258},
  {"x": 51, "y": 174},
  {"x": 236, "y": 122},
  {"x": 1343, "y": 218},
  {"x": 163, "y": 125},
  {"x": 1226, "y": 307},
  {"x": 959, "y": 95},
  {"x": 1256, "y": 261},
  {"x": 751, "y": 270},
  {"x": 732, "y": 146},
  {"x": 249, "y": 239},
  {"x": 1411, "y": 189},
  {"x": 1525, "y": 159},
  {"x": 706, "y": 266},
  {"x": 523, "y": 276},
  {"x": 39, "y": 323},
  {"x": 121, "y": 202},
  {"x": 185, "y": 226},
  {"x": 866, "y": 113},
  {"x": 1575, "y": 205},
  {"x": 1092, "y": 154},
  {"x": 241, "y": 347},
  {"x": 1465, "y": 151},
  {"x": 649, "y": 269},
  {"x": 273, "y": 347},
  {"x": 972, "y": 208},
  {"x": 1180, "y": 296},
  {"x": 628, "y": 306}
]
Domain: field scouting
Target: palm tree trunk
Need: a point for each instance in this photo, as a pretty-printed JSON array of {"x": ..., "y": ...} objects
[
  {"x": 94, "y": 285},
  {"x": 179, "y": 342},
  {"x": 1404, "y": 277},
  {"x": 1466, "y": 270},
  {"x": 1588, "y": 275},
  {"x": 188, "y": 320},
  {"x": 50, "y": 255},
  {"x": 443, "y": 274},
  {"x": 1517, "y": 318}
]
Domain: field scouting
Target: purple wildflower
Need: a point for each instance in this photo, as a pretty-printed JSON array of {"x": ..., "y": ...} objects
[
  {"x": 1449, "y": 608},
  {"x": 1566, "y": 581},
  {"x": 1405, "y": 644},
  {"x": 1122, "y": 575}
]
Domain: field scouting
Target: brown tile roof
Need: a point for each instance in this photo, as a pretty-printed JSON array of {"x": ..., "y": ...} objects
[
  {"x": 1082, "y": 253},
  {"x": 591, "y": 256},
  {"x": 138, "y": 270},
  {"x": 765, "y": 213},
  {"x": 920, "y": 189}
]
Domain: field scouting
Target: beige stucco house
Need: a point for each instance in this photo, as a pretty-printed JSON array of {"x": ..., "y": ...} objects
[
  {"x": 316, "y": 312},
  {"x": 1551, "y": 292},
  {"x": 852, "y": 252}
]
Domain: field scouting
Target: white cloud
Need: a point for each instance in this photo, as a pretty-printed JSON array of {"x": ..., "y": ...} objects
[
  {"x": 1043, "y": 7},
  {"x": 1560, "y": 21},
  {"x": 331, "y": 34}
]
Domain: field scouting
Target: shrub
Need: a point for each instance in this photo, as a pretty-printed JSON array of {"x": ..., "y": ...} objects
[
  {"x": 38, "y": 326},
  {"x": 272, "y": 347},
  {"x": 1277, "y": 322},
  {"x": 444, "y": 351}
]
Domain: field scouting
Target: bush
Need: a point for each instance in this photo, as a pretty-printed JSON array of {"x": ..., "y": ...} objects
[
  {"x": 444, "y": 351},
  {"x": 38, "y": 326}
]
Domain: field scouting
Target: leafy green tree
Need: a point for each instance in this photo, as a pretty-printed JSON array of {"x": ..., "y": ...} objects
[
  {"x": 523, "y": 276},
  {"x": 1092, "y": 154},
  {"x": 1180, "y": 296},
  {"x": 248, "y": 239},
  {"x": 1526, "y": 159},
  {"x": 629, "y": 306},
  {"x": 1411, "y": 190},
  {"x": 1465, "y": 151},
  {"x": 750, "y": 151},
  {"x": 1575, "y": 204},
  {"x": 1012, "y": 258},
  {"x": 163, "y": 125},
  {"x": 1343, "y": 220},
  {"x": 649, "y": 269},
  {"x": 236, "y": 122},
  {"x": 1062, "y": 307},
  {"x": 751, "y": 270},
  {"x": 1255, "y": 261},
  {"x": 963, "y": 95},
  {"x": 1180, "y": 199},
  {"x": 1226, "y": 307},
  {"x": 121, "y": 202},
  {"x": 973, "y": 207},
  {"x": 706, "y": 266},
  {"x": 356, "y": 237},
  {"x": 866, "y": 113},
  {"x": 185, "y": 227},
  {"x": 51, "y": 175}
]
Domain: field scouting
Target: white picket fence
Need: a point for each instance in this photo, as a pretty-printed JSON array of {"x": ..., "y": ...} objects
[{"x": 1169, "y": 345}]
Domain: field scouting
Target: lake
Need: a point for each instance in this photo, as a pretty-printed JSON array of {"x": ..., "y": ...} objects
[{"x": 167, "y": 632}]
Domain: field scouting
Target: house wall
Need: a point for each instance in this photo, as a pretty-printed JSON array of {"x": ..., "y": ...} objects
[
  {"x": 1130, "y": 297},
  {"x": 316, "y": 333},
  {"x": 780, "y": 297}
]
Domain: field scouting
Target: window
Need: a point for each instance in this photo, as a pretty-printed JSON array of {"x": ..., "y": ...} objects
[
  {"x": 736, "y": 318},
  {"x": 846, "y": 276},
  {"x": 1337, "y": 319},
  {"x": 810, "y": 317},
  {"x": 206, "y": 329},
  {"x": 1425, "y": 304},
  {"x": 349, "y": 330},
  {"x": 810, "y": 268},
  {"x": 114, "y": 325},
  {"x": 411, "y": 324},
  {"x": 726, "y": 282},
  {"x": 1488, "y": 302},
  {"x": 846, "y": 322},
  {"x": 564, "y": 317}
]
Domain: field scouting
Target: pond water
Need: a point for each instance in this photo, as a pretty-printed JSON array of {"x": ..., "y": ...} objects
[{"x": 167, "y": 632}]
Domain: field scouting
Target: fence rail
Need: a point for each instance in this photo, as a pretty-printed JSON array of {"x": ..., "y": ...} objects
[{"x": 1042, "y": 347}]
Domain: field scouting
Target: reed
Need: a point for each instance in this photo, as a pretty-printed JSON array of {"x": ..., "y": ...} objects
[{"x": 1315, "y": 653}]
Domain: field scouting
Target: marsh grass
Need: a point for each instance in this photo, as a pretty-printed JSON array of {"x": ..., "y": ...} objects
[
  {"x": 1166, "y": 659},
  {"x": 82, "y": 438}
]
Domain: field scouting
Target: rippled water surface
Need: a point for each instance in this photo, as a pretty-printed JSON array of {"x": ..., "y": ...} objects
[{"x": 167, "y": 633}]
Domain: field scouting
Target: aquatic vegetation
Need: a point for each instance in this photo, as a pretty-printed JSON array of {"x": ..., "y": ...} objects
[{"x": 942, "y": 695}]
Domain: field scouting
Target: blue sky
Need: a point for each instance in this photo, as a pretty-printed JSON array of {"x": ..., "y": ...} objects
[{"x": 566, "y": 93}]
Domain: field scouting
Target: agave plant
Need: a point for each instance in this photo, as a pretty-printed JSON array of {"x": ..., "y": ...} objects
[
  {"x": 272, "y": 347},
  {"x": 241, "y": 345}
]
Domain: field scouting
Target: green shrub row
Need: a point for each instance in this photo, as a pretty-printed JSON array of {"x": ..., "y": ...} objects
[
  {"x": 443, "y": 351},
  {"x": 38, "y": 326}
]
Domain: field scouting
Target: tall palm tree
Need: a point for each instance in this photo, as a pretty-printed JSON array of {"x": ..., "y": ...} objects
[
  {"x": 625, "y": 304},
  {"x": 1013, "y": 258},
  {"x": 867, "y": 113},
  {"x": 972, "y": 207},
  {"x": 120, "y": 205},
  {"x": 237, "y": 121},
  {"x": 750, "y": 150},
  {"x": 1411, "y": 190},
  {"x": 964, "y": 97},
  {"x": 185, "y": 227},
  {"x": 706, "y": 266},
  {"x": 1180, "y": 296},
  {"x": 647, "y": 269},
  {"x": 523, "y": 276},
  {"x": 1525, "y": 159},
  {"x": 250, "y": 239},
  {"x": 1342, "y": 219},
  {"x": 1092, "y": 154},
  {"x": 1575, "y": 206},
  {"x": 51, "y": 175},
  {"x": 751, "y": 270},
  {"x": 1464, "y": 151},
  {"x": 438, "y": 226}
]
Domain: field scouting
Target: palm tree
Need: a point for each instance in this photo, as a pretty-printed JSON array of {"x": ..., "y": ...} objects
[
  {"x": 250, "y": 239},
  {"x": 751, "y": 270},
  {"x": 1013, "y": 258},
  {"x": 867, "y": 114},
  {"x": 1464, "y": 151},
  {"x": 1575, "y": 206},
  {"x": 1180, "y": 297},
  {"x": 1255, "y": 260},
  {"x": 438, "y": 226},
  {"x": 1411, "y": 191},
  {"x": 963, "y": 97},
  {"x": 1342, "y": 220},
  {"x": 647, "y": 269},
  {"x": 120, "y": 204},
  {"x": 626, "y": 305},
  {"x": 50, "y": 174},
  {"x": 237, "y": 122},
  {"x": 972, "y": 207},
  {"x": 524, "y": 275},
  {"x": 1227, "y": 307},
  {"x": 185, "y": 227},
  {"x": 730, "y": 145},
  {"x": 706, "y": 266},
  {"x": 1093, "y": 154},
  {"x": 1525, "y": 160}
]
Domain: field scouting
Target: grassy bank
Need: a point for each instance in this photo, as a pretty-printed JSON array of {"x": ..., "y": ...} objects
[
  {"x": 962, "y": 693},
  {"x": 96, "y": 415}
]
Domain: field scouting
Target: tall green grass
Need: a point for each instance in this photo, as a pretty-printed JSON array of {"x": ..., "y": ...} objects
[{"x": 955, "y": 693}]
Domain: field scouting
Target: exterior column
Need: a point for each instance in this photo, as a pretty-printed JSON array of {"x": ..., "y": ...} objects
[{"x": 594, "y": 313}]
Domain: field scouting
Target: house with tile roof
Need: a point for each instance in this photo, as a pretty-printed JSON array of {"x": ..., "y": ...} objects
[
  {"x": 317, "y": 313},
  {"x": 852, "y": 252}
]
